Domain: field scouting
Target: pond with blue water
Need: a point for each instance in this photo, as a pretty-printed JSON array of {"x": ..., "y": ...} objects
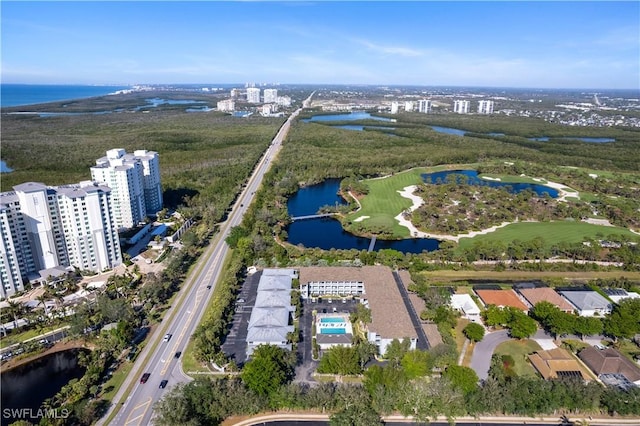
[
  {"x": 4, "y": 168},
  {"x": 360, "y": 115},
  {"x": 472, "y": 178},
  {"x": 460, "y": 132},
  {"x": 327, "y": 233},
  {"x": 362, "y": 128}
]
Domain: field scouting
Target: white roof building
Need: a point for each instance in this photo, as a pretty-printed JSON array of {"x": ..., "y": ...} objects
[
  {"x": 270, "y": 319},
  {"x": 618, "y": 294},
  {"x": 465, "y": 304}
]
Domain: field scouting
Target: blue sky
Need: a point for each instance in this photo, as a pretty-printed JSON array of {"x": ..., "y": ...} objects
[{"x": 499, "y": 44}]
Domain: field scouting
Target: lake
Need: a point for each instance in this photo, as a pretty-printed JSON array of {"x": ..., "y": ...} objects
[
  {"x": 473, "y": 179},
  {"x": 360, "y": 115},
  {"x": 29, "y": 385},
  {"x": 460, "y": 132},
  {"x": 581, "y": 139},
  {"x": 327, "y": 233},
  {"x": 361, "y": 128},
  {"x": 4, "y": 168}
]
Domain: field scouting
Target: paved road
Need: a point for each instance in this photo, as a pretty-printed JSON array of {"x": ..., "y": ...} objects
[
  {"x": 181, "y": 320},
  {"x": 481, "y": 359}
]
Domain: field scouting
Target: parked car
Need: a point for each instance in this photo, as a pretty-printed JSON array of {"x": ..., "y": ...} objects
[
  {"x": 163, "y": 384},
  {"x": 145, "y": 377}
]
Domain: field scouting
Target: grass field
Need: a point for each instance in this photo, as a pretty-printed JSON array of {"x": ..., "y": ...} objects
[
  {"x": 26, "y": 335},
  {"x": 519, "y": 349},
  {"x": 383, "y": 202},
  {"x": 551, "y": 232}
]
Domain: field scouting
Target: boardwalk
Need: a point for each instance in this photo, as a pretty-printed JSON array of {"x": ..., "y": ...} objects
[
  {"x": 312, "y": 216},
  {"x": 372, "y": 243}
]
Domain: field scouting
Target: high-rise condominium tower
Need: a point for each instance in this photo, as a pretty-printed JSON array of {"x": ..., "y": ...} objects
[
  {"x": 49, "y": 228},
  {"x": 270, "y": 95},
  {"x": 135, "y": 183},
  {"x": 485, "y": 107},
  {"x": 461, "y": 107}
]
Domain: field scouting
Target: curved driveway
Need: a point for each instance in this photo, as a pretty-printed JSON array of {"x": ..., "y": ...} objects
[{"x": 481, "y": 359}]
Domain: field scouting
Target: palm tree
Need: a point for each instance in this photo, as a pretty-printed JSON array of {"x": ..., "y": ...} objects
[
  {"x": 15, "y": 309},
  {"x": 42, "y": 300}
]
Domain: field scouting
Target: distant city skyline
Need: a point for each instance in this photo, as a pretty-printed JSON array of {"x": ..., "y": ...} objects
[{"x": 491, "y": 44}]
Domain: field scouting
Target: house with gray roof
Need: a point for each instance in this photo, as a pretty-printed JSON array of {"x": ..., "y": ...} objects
[{"x": 588, "y": 303}]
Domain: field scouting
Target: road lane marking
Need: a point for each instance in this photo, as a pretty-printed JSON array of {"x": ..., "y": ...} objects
[
  {"x": 189, "y": 319},
  {"x": 134, "y": 409}
]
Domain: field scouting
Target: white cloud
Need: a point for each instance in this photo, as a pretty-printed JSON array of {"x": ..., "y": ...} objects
[{"x": 389, "y": 50}]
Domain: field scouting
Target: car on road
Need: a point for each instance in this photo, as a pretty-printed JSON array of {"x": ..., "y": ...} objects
[
  {"x": 163, "y": 384},
  {"x": 209, "y": 287},
  {"x": 167, "y": 337},
  {"x": 145, "y": 377},
  {"x": 177, "y": 355}
]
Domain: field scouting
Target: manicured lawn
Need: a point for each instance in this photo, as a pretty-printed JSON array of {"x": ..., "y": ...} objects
[
  {"x": 459, "y": 335},
  {"x": 552, "y": 232},
  {"x": 629, "y": 349},
  {"x": 383, "y": 202},
  {"x": 519, "y": 349},
  {"x": 112, "y": 385},
  {"x": 189, "y": 362},
  {"x": 25, "y": 335}
]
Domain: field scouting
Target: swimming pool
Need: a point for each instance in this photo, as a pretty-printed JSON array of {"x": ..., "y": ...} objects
[
  {"x": 331, "y": 320},
  {"x": 333, "y": 331}
]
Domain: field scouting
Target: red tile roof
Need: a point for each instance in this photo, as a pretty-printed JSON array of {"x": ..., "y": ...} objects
[{"x": 501, "y": 298}]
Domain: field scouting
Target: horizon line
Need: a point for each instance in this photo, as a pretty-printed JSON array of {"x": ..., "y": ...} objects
[{"x": 459, "y": 86}]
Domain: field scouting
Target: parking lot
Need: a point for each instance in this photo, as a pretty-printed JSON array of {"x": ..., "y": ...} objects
[{"x": 235, "y": 345}]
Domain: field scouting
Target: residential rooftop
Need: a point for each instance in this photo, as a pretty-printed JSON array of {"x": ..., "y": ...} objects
[
  {"x": 390, "y": 318},
  {"x": 501, "y": 298},
  {"x": 545, "y": 294}
]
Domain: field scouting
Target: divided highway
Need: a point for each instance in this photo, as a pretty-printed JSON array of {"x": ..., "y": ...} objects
[{"x": 159, "y": 356}]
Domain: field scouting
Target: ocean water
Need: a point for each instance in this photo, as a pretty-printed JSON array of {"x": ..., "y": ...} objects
[{"x": 29, "y": 94}]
